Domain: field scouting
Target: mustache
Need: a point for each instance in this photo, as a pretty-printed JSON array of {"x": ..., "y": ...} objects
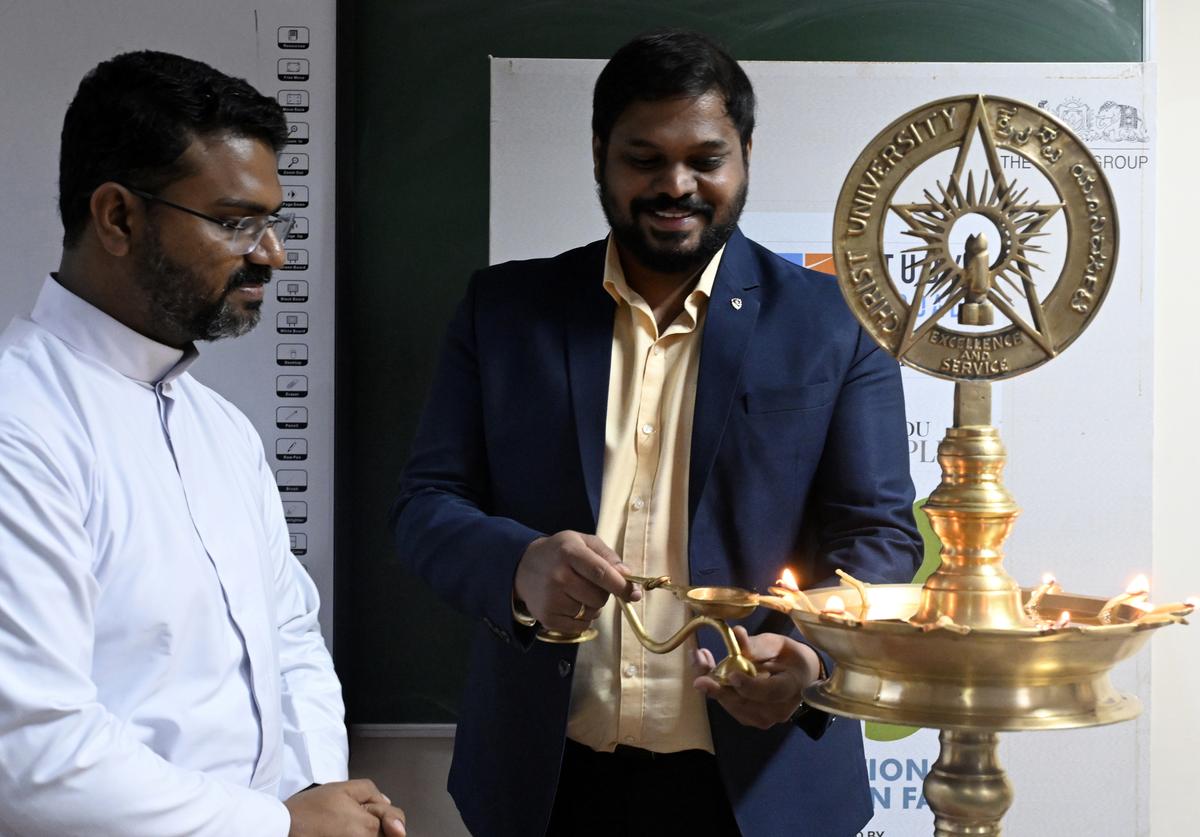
[
  {"x": 691, "y": 203},
  {"x": 252, "y": 274}
]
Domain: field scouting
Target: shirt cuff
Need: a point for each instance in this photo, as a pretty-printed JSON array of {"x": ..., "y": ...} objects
[
  {"x": 520, "y": 615},
  {"x": 812, "y": 721},
  {"x": 262, "y": 813}
]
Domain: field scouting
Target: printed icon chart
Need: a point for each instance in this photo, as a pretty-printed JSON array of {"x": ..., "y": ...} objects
[{"x": 298, "y": 362}]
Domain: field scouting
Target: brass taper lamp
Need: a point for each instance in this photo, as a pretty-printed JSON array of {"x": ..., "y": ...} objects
[{"x": 711, "y": 606}]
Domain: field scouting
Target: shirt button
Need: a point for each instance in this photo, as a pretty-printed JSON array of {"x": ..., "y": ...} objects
[
  {"x": 638, "y": 504},
  {"x": 657, "y": 351},
  {"x": 647, "y": 428},
  {"x": 630, "y": 670},
  {"x": 629, "y": 739}
]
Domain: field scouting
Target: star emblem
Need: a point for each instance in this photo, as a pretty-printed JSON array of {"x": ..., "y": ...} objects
[{"x": 1011, "y": 270}]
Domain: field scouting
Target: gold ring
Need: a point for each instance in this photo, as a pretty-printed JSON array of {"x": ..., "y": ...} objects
[{"x": 579, "y": 613}]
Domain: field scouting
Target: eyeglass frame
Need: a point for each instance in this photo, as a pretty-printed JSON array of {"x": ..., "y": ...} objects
[{"x": 272, "y": 220}]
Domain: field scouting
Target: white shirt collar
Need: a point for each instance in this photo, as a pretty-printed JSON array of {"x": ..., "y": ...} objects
[{"x": 88, "y": 330}]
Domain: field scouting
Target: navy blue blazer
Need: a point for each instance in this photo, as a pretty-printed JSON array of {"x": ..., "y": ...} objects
[{"x": 799, "y": 458}]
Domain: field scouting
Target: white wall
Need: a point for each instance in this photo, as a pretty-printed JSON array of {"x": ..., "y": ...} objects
[
  {"x": 1175, "y": 691},
  {"x": 46, "y": 46}
]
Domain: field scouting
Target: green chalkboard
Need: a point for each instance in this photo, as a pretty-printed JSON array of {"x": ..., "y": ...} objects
[{"x": 413, "y": 144}]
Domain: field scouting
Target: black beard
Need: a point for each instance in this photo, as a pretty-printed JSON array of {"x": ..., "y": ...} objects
[
  {"x": 668, "y": 259},
  {"x": 175, "y": 297}
]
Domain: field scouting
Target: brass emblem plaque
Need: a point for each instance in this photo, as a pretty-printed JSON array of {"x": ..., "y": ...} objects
[{"x": 990, "y": 311}]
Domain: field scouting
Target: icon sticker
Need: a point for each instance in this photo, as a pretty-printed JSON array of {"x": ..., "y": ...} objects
[
  {"x": 295, "y": 260},
  {"x": 291, "y": 354},
  {"x": 291, "y": 290},
  {"x": 290, "y": 481},
  {"x": 293, "y": 101},
  {"x": 291, "y": 418},
  {"x": 295, "y": 511},
  {"x": 291, "y": 386},
  {"x": 293, "y": 164},
  {"x": 295, "y": 196},
  {"x": 293, "y": 37},
  {"x": 291, "y": 450},
  {"x": 291, "y": 322},
  {"x": 299, "y": 229},
  {"x": 292, "y": 69},
  {"x": 297, "y": 133}
]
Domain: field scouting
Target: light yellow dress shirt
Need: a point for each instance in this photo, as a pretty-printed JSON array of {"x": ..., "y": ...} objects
[{"x": 621, "y": 693}]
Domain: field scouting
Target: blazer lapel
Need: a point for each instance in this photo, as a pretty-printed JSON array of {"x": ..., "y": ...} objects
[
  {"x": 728, "y": 325},
  {"x": 589, "y": 355}
]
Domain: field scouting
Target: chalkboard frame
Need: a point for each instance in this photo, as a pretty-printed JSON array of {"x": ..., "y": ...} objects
[{"x": 412, "y": 210}]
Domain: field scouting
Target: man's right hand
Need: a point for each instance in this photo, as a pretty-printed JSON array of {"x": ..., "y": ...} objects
[
  {"x": 344, "y": 809},
  {"x": 560, "y": 573}
]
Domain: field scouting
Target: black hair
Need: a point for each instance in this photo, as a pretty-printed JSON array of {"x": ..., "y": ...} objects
[
  {"x": 668, "y": 64},
  {"x": 134, "y": 116}
]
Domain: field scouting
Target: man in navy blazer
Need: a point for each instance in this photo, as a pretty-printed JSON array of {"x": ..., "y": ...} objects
[{"x": 790, "y": 449}]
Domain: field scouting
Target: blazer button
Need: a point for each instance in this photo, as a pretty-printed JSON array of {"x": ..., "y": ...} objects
[{"x": 564, "y": 668}]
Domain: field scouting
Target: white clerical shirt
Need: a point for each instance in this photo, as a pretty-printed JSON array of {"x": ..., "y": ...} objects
[{"x": 162, "y": 670}]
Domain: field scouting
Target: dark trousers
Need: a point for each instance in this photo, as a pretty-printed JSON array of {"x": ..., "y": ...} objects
[{"x": 636, "y": 793}]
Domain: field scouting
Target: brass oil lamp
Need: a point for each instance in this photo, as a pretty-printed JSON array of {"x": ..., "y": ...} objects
[{"x": 970, "y": 652}]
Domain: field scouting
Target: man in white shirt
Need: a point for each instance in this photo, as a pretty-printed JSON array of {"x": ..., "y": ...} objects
[{"x": 163, "y": 667}]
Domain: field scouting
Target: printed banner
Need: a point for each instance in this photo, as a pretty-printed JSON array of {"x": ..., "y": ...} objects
[{"x": 1078, "y": 430}]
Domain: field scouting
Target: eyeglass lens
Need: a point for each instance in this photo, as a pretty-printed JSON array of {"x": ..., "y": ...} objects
[{"x": 252, "y": 236}]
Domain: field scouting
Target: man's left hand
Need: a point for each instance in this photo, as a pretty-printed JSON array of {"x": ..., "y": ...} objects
[{"x": 785, "y": 667}]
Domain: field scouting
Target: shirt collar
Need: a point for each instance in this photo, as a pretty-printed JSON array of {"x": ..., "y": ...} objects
[
  {"x": 618, "y": 288},
  {"x": 88, "y": 330}
]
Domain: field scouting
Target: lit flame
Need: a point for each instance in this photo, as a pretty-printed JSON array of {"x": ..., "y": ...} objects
[
  {"x": 1048, "y": 579},
  {"x": 1140, "y": 584},
  {"x": 1063, "y": 620},
  {"x": 788, "y": 580},
  {"x": 834, "y": 604}
]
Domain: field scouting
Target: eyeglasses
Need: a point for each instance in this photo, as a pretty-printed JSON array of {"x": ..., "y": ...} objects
[{"x": 245, "y": 234}]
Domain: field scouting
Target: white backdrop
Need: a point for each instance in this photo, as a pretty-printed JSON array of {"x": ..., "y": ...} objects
[
  {"x": 1078, "y": 430},
  {"x": 280, "y": 375}
]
